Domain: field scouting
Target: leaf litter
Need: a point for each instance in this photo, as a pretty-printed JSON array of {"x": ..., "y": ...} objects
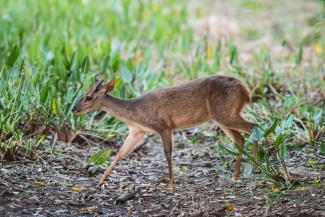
[{"x": 139, "y": 186}]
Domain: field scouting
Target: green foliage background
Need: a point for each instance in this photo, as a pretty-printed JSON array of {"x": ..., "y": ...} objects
[{"x": 51, "y": 50}]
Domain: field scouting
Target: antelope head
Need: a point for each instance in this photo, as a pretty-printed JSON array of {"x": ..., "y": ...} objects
[{"x": 93, "y": 99}]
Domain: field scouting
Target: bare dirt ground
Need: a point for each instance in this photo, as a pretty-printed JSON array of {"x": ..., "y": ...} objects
[{"x": 203, "y": 184}]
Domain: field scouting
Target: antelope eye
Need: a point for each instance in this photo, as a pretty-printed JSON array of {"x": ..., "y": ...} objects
[{"x": 88, "y": 98}]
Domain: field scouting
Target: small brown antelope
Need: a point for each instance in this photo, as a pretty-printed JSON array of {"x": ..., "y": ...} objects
[{"x": 217, "y": 98}]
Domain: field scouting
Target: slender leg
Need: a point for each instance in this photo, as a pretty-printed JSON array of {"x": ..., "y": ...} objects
[
  {"x": 245, "y": 126},
  {"x": 133, "y": 138},
  {"x": 237, "y": 123},
  {"x": 167, "y": 140},
  {"x": 240, "y": 140}
]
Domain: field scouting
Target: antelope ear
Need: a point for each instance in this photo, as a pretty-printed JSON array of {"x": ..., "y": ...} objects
[
  {"x": 110, "y": 86},
  {"x": 96, "y": 79}
]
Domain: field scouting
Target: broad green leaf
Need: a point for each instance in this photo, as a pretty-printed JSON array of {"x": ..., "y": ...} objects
[
  {"x": 288, "y": 122},
  {"x": 100, "y": 157},
  {"x": 278, "y": 140},
  {"x": 66, "y": 62},
  {"x": 264, "y": 126},
  {"x": 44, "y": 93},
  {"x": 68, "y": 49},
  {"x": 58, "y": 56},
  {"x": 271, "y": 129},
  {"x": 126, "y": 74},
  {"x": 248, "y": 170},
  {"x": 257, "y": 134},
  {"x": 228, "y": 149},
  {"x": 304, "y": 110},
  {"x": 56, "y": 106},
  {"x": 53, "y": 91},
  {"x": 81, "y": 55},
  {"x": 86, "y": 65},
  {"x": 278, "y": 130},
  {"x": 283, "y": 151},
  {"x": 289, "y": 101},
  {"x": 114, "y": 60},
  {"x": 13, "y": 56},
  {"x": 316, "y": 114},
  {"x": 105, "y": 64},
  {"x": 34, "y": 53},
  {"x": 118, "y": 83},
  {"x": 260, "y": 153}
]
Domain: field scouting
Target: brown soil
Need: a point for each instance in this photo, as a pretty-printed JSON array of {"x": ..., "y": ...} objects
[{"x": 202, "y": 188}]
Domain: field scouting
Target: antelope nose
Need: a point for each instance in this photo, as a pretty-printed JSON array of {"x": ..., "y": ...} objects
[{"x": 72, "y": 110}]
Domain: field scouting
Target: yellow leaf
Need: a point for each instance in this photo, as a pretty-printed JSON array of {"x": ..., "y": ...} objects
[
  {"x": 40, "y": 183},
  {"x": 79, "y": 209},
  {"x": 168, "y": 72},
  {"x": 209, "y": 52},
  {"x": 318, "y": 49},
  {"x": 229, "y": 207},
  {"x": 155, "y": 7},
  {"x": 301, "y": 189},
  {"x": 76, "y": 189},
  {"x": 276, "y": 189}
]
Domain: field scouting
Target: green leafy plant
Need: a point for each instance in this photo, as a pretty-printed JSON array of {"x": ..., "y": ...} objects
[
  {"x": 185, "y": 168},
  {"x": 317, "y": 180},
  {"x": 313, "y": 164},
  {"x": 269, "y": 161},
  {"x": 100, "y": 157}
]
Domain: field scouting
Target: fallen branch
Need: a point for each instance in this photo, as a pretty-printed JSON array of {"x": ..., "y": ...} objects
[{"x": 127, "y": 194}]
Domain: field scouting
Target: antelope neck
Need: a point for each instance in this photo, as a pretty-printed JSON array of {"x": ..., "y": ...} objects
[{"x": 123, "y": 109}]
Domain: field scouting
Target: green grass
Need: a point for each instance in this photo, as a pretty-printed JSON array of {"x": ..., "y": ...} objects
[{"x": 50, "y": 52}]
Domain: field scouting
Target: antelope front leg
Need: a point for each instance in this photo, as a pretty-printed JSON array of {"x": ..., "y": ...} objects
[
  {"x": 167, "y": 140},
  {"x": 133, "y": 138}
]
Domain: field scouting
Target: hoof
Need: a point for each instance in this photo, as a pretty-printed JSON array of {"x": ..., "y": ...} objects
[
  {"x": 170, "y": 186},
  {"x": 99, "y": 185}
]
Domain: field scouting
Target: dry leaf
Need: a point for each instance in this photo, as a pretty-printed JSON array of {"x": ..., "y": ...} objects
[
  {"x": 40, "y": 183},
  {"x": 229, "y": 207},
  {"x": 276, "y": 189},
  {"x": 301, "y": 189},
  {"x": 80, "y": 209},
  {"x": 76, "y": 189},
  {"x": 99, "y": 200},
  {"x": 130, "y": 209},
  {"x": 92, "y": 209},
  {"x": 86, "y": 210}
]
